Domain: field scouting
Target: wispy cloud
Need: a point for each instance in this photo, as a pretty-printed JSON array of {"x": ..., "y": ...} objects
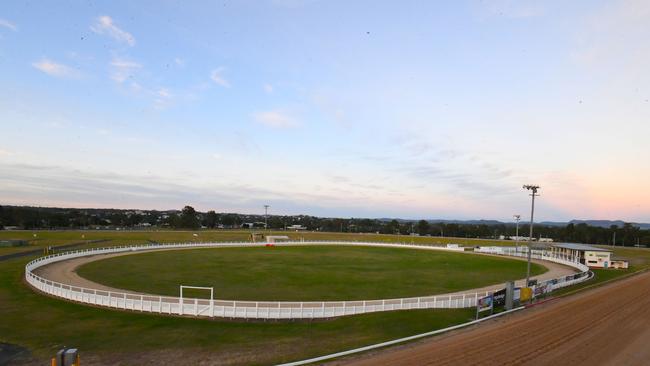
[
  {"x": 179, "y": 62},
  {"x": 7, "y": 24},
  {"x": 275, "y": 119},
  {"x": 5, "y": 153},
  {"x": 268, "y": 88},
  {"x": 162, "y": 98},
  {"x": 55, "y": 69},
  {"x": 217, "y": 76},
  {"x": 123, "y": 69},
  {"x": 104, "y": 25}
]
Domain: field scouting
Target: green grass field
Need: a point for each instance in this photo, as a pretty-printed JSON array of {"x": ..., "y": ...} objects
[{"x": 305, "y": 273}]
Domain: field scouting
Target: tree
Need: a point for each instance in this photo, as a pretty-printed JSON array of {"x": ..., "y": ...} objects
[
  {"x": 423, "y": 227},
  {"x": 188, "y": 218},
  {"x": 211, "y": 219}
]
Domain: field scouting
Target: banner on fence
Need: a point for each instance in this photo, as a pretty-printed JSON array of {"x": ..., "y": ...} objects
[
  {"x": 541, "y": 290},
  {"x": 526, "y": 293},
  {"x": 484, "y": 303},
  {"x": 499, "y": 297}
]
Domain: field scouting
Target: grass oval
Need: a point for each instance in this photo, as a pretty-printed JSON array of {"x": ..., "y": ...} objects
[{"x": 305, "y": 273}]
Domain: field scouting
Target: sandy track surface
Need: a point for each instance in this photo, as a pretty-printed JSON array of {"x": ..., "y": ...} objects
[
  {"x": 66, "y": 272},
  {"x": 609, "y": 325}
]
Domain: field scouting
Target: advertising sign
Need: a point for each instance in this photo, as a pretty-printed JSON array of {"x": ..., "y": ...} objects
[
  {"x": 568, "y": 278},
  {"x": 484, "y": 303},
  {"x": 540, "y": 290},
  {"x": 517, "y": 294},
  {"x": 526, "y": 294},
  {"x": 499, "y": 297}
]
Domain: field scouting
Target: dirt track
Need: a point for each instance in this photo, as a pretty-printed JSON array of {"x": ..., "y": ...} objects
[{"x": 605, "y": 326}]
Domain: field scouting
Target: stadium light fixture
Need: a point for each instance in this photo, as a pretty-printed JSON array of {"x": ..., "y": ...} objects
[{"x": 533, "y": 193}]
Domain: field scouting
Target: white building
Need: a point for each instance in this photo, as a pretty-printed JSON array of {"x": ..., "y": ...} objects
[
  {"x": 591, "y": 256},
  {"x": 296, "y": 227}
]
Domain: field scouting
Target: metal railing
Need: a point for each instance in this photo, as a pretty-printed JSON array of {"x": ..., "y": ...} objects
[{"x": 259, "y": 309}]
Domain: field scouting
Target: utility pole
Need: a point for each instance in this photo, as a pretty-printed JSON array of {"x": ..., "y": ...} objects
[
  {"x": 533, "y": 190},
  {"x": 517, "y": 218},
  {"x": 614, "y": 240},
  {"x": 266, "y": 214}
]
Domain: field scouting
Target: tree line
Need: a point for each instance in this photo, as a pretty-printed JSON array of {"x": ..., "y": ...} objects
[{"x": 21, "y": 217}]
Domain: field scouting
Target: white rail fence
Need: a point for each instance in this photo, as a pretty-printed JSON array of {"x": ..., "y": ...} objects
[{"x": 265, "y": 309}]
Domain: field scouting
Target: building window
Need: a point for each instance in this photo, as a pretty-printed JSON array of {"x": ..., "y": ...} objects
[{"x": 592, "y": 262}]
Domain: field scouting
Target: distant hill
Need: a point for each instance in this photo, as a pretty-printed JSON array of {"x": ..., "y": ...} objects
[{"x": 595, "y": 223}]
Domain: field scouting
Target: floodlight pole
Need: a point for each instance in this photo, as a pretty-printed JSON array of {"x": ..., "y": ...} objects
[
  {"x": 266, "y": 214},
  {"x": 517, "y": 218},
  {"x": 534, "y": 189}
]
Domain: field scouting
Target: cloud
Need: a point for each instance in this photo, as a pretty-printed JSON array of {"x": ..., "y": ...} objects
[
  {"x": 179, "y": 62},
  {"x": 55, "y": 69},
  {"x": 268, "y": 88},
  {"x": 275, "y": 119},
  {"x": 162, "y": 97},
  {"x": 217, "y": 77},
  {"x": 7, "y": 24},
  {"x": 123, "y": 69},
  {"x": 5, "y": 153},
  {"x": 104, "y": 25}
]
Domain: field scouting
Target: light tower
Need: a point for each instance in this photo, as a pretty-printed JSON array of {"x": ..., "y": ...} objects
[
  {"x": 533, "y": 189},
  {"x": 517, "y": 218},
  {"x": 266, "y": 214}
]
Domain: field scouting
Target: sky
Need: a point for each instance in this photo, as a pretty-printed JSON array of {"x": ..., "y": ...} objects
[{"x": 411, "y": 109}]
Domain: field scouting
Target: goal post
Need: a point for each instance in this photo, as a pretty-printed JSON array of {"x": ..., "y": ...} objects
[{"x": 181, "y": 303}]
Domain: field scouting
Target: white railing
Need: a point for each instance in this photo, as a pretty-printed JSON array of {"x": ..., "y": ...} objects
[{"x": 257, "y": 309}]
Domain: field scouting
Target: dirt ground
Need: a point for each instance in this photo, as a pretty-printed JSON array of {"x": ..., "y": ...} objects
[
  {"x": 609, "y": 325},
  {"x": 66, "y": 272}
]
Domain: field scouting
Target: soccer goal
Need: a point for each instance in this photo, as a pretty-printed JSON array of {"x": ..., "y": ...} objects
[{"x": 195, "y": 307}]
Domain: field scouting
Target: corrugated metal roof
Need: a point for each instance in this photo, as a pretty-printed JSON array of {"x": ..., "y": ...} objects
[{"x": 580, "y": 247}]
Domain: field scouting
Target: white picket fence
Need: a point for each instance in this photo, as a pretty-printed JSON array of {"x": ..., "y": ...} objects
[{"x": 258, "y": 309}]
